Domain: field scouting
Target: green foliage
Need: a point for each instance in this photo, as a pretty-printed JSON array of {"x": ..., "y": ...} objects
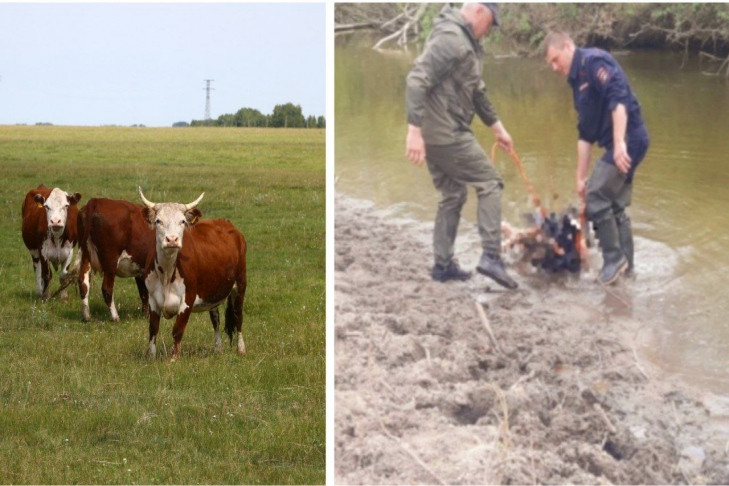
[
  {"x": 524, "y": 25},
  {"x": 250, "y": 117},
  {"x": 287, "y": 115},
  {"x": 80, "y": 403},
  {"x": 227, "y": 120}
]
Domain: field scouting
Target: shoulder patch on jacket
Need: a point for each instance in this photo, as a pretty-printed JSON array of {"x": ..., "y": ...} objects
[{"x": 602, "y": 75}]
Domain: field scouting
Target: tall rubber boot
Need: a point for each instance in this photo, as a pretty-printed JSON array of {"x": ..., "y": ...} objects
[
  {"x": 625, "y": 235},
  {"x": 614, "y": 261}
]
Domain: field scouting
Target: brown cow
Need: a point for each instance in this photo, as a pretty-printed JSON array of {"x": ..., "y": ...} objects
[
  {"x": 114, "y": 240},
  {"x": 195, "y": 277},
  {"x": 49, "y": 233}
]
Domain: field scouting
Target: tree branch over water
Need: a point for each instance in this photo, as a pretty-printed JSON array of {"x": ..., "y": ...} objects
[{"x": 689, "y": 27}]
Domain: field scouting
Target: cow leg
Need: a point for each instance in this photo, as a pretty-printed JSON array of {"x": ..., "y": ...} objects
[
  {"x": 235, "y": 309},
  {"x": 143, "y": 294},
  {"x": 84, "y": 281},
  {"x": 64, "y": 272},
  {"x": 178, "y": 330},
  {"x": 107, "y": 290},
  {"x": 46, "y": 277},
  {"x": 35, "y": 256},
  {"x": 153, "y": 330},
  {"x": 215, "y": 319}
]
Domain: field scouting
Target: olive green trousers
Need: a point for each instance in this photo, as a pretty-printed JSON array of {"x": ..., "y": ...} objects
[{"x": 454, "y": 168}]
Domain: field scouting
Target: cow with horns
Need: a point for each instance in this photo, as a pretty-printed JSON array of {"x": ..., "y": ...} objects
[
  {"x": 196, "y": 265},
  {"x": 50, "y": 233},
  {"x": 114, "y": 240}
]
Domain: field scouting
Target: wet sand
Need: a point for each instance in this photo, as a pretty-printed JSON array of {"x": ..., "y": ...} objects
[{"x": 562, "y": 393}]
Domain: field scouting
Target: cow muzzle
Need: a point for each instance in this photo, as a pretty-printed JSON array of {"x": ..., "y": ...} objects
[{"x": 172, "y": 243}]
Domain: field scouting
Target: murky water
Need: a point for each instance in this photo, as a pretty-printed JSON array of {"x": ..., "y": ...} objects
[{"x": 680, "y": 199}]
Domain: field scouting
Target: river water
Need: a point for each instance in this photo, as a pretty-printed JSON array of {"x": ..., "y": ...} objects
[{"x": 680, "y": 200}]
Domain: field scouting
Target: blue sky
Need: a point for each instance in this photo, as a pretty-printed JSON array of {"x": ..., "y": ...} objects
[{"x": 136, "y": 63}]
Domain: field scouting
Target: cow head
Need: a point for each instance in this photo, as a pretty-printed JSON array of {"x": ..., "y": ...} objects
[
  {"x": 169, "y": 221},
  {"x": 56, "y": 207}
]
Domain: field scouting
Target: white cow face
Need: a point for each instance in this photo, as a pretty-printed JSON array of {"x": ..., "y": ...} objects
[
  {"x": 56, "y": 207},
  {"x": 169, "y": 221}
]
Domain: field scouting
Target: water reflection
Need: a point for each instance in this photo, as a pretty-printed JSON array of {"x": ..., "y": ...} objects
[{"x": 680, "y": 199}]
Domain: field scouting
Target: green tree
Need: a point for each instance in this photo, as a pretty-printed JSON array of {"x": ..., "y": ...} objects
[
  {"x": 288, "y": 115},
  {"x": 250, "y": 117},
  {"x": 320, "y": 122},
  {"x": 226, "y": 120},
  {"x": 311, "y": 121}
]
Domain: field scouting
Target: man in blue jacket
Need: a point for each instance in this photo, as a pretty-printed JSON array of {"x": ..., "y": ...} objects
[{"x": 609, "y": 115}]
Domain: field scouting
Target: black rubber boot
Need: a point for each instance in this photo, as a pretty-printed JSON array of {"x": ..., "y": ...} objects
[
  {"x": 451, "y": 272},
  {"x": 625, "y": 235},
  {"x": 614, "y": 261},
  {"x": 493, "y": 267}
]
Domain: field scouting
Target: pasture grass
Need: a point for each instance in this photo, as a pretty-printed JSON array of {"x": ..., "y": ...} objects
[{"x": 80, "y": 402}]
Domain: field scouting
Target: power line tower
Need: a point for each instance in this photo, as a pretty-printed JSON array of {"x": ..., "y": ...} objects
[{"x": 207, "y": 89}]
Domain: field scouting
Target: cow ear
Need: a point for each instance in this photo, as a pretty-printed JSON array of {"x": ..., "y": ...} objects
[
  {"x": 150, "y": 215},
  {"x": 39, "y": 200},
  {"x": 73, "y": 198},
  {"x": 192, "y": 216}
]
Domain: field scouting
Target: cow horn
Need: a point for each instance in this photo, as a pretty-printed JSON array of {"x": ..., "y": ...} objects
[
  {"x": 195, "y": 202},
  {"x": 146, "y": 202}
]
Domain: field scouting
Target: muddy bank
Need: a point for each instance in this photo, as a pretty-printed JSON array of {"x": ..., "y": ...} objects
[{"x": 563, "y": 394}]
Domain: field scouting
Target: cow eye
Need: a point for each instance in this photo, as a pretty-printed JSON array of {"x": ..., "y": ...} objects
[
  {"x": 183, "y": 222},
  {"x": 157, "y": 221}
]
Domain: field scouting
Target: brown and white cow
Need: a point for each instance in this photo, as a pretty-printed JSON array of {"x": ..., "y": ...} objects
[
  {"x": 50, "y": 233},
  {"x": 196, "y": 266},
  {"x": 114, "y": 240}
]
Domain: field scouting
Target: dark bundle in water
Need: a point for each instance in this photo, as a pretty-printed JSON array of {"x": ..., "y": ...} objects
[
  {"x": 562, "y": 251},
  {"x": 554, "y": 243}
]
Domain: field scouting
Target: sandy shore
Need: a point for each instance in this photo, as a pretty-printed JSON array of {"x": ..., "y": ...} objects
[{"x": 562, "y": 394}]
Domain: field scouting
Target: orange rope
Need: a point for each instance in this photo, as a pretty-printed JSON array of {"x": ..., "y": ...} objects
[{"x": 517, "y": 161}]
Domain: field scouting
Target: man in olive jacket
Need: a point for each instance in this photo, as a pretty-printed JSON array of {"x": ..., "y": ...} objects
[{"x": 444, "y": 91}]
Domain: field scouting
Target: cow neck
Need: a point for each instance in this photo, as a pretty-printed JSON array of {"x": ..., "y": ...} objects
[
  {"x": 56, "y": 238},
  {"x": 166, "y": 265}
]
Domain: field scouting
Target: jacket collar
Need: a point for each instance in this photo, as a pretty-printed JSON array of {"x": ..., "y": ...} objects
[{"x": 575, "y": 67}]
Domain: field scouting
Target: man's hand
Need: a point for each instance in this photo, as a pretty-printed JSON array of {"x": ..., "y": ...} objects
[
  {"x": 502, "y": 136},
  {"x": 621, "y": 157},
  {"x": 415, "y": 146}
]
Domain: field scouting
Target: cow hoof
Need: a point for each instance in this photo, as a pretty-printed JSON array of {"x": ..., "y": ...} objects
[
  {"x": 115, "y": 319},
  {"x": 64, "y": 297},
  {"x": 85, "y": 315}
]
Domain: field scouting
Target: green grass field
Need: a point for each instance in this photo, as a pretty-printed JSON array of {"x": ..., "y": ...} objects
[{"x": 80, "y": 402}]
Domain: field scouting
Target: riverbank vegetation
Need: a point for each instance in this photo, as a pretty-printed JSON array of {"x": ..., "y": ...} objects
[{"x": 694, "y": 28}]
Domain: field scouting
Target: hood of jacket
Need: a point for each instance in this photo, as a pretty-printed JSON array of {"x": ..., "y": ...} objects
[{"x": 450, "y": 18}]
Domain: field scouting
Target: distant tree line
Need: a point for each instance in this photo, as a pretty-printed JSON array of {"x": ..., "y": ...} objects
[{"x": 284, "y": 116}]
